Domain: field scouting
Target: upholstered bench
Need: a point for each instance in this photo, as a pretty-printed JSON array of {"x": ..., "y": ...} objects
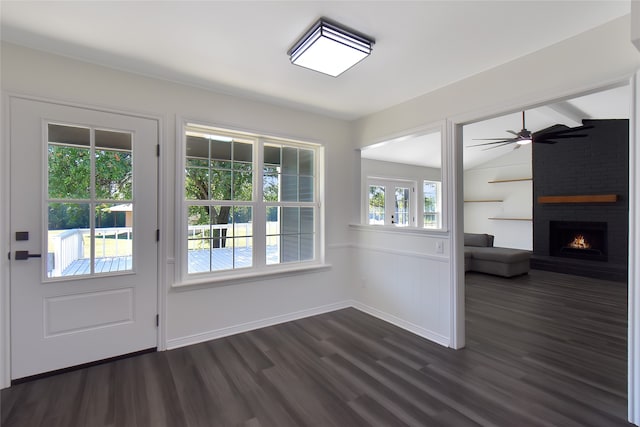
[{"x": 480, "y": 255}]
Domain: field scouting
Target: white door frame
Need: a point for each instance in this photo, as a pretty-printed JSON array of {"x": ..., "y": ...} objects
[
  {"x": 633, "y": 341},
  {"x": 453, "y": 141},
  {"x": 5, "y": 180}
]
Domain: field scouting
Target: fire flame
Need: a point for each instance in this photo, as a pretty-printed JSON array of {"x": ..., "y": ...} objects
[{"x": 579, "y": 242}]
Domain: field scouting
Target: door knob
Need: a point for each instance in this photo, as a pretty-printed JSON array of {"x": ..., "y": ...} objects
[{"x": 22, "y": 255}]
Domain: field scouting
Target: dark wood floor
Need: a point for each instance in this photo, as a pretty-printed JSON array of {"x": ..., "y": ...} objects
[{"x": 543, "y": 350}]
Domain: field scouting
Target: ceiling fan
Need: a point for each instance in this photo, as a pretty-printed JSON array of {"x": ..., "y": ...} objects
[{"x": 550, "y": 135}]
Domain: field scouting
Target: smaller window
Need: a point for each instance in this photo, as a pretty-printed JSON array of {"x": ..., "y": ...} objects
[
  {"x": 432, "y": 214},
  {"x": 391, "y": 202}
]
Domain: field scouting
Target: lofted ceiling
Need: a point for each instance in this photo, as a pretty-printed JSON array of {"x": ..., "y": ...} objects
[
  {"x": 239, "y": 47},
  {"x": 424, "y": 150}
]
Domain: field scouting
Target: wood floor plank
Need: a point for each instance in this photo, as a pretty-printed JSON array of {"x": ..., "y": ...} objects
[{"x": 544, "y": 349}]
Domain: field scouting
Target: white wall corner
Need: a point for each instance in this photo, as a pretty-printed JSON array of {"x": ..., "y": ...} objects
[
  {"x": 403, "y": 324},
  {"x": 633, "y": 326},
  {"x": 635, "y": 23},
  {"x": 453, "y": 168}
]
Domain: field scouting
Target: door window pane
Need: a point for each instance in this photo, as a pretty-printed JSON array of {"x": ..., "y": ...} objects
[
  {"x": 86, "y": 233},
  {"x": 114, "y": 165},
  {"x": 69, "y": 162},
  {"x": 402, "y": 213},
  {"x": 376, "y": 205},
  {"x": 113, "y": 237},
  {"x": 68, "y": 239}
]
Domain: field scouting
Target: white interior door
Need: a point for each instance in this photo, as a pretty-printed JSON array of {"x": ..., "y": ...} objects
[{"x": 83, "y": 235}]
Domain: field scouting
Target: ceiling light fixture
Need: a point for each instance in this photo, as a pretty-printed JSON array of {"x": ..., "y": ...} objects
[
  {"x": 525, "y": 137},
  {"x": 330, "y": 49}
]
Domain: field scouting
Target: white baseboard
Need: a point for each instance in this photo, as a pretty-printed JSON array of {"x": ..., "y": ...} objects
[
  {"x": 257, "y": 324},
  {"x": 250, "y": 326},
  {"x": 411, "y": 327}
]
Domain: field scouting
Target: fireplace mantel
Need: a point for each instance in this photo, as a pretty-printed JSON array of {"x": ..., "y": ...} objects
[{"x": 590, "y": 198}]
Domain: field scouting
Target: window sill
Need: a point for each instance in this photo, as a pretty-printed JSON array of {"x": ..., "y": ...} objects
[
  {"x": 400, "y": 230},
  {"x": 268, "y": 273}
]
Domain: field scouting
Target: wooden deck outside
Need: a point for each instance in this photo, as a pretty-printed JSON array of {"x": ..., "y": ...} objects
[{"x": 199, "y": 261}]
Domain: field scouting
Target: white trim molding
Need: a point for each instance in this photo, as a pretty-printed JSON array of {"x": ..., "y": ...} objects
[
  {"x": 454, "y": 195},
  {"x": 256, "y": 324},
  {"x": 5, "y": 305},
  {"x": 403, "y": 324},
  {"x": 633, "y": 345},
  {"x": 412, "y": 254}
]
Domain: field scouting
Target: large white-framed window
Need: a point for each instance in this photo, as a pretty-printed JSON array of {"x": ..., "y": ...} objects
[{"x": 250, "y": 203}]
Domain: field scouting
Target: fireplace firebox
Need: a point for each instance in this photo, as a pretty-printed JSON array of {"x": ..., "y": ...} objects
[{"x": 578, "y": 239}]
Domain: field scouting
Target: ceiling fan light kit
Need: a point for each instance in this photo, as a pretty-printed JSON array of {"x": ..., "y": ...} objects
[{"x": 550, "y": 135}]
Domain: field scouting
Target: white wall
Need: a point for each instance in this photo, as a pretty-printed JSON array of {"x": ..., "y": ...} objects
[
  {"x": 635, "y": 23},
  {"x": 403, "y": 279},
  {"x": 595, "y": 57},
  {"x": 516, "y": 199},
  {"x": 200, "y": 313},
  {"x": 382, "y": 169}
]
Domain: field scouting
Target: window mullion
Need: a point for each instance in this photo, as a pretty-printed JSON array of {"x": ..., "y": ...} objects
[
  {"x": 92, "y": 201},
  {"x": 260, "y": 212}
]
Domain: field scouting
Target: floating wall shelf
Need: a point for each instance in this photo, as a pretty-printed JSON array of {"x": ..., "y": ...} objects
[
  {"x": 498, "y": 181},
  {"x": 593, "y": 198}
]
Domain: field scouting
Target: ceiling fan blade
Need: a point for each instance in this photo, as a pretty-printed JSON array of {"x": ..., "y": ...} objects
[
  {"x": 503, "y": 141},
  {"x": 570, "y": 134},
  {"x": 545, "y": 137},
  {"x": 500, "y": 145},
  {"x": 513, "y": 132},
  {"x": 556, "y": 131},
  {"x": 492, "y": 139},
  {"x": 551, "y": 129}
]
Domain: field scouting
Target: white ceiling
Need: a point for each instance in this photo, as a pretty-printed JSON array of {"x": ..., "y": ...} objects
[
  {"x": 239, "y": 47},
  {"x": 424, "y": 150}
]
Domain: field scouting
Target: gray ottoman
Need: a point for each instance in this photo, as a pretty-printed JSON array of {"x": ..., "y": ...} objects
[{"x": 505, "y": 262}]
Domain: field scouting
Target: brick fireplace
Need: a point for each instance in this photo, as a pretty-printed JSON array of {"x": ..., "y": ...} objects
[{"x": 580, "y": 206}]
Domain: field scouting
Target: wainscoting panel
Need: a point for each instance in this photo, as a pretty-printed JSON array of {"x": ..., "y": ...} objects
[{"x": 409, "y": 288}]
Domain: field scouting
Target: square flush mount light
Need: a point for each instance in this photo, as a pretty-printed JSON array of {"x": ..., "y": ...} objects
[{"x": 329, "y": 49}]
